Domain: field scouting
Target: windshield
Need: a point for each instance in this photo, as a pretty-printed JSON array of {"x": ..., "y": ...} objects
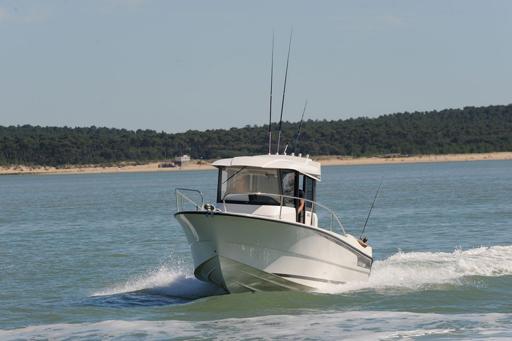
[
  {"x": 261, "y": 186},
  {"x": 236, "y": 182}
]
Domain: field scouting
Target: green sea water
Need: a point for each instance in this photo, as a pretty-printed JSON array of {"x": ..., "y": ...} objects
[{"x": 101, "y": 256}]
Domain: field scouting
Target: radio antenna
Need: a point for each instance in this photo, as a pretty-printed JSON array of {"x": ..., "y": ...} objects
[
  {"x": 295, "y": 145},
  {"x": 371, "y": 208},
  {"x": 270, "y": 107},
  {"x": 284, "y": 92}
]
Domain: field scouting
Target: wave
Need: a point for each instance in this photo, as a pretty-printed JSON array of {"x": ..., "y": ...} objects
[
  {"x": 419, "y": 270},
  {"x": 352, "y": 325}
]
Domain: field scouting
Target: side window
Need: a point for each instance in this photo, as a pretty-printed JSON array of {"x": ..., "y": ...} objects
[
  {"x": 310, "y": 191},
  {"x": 300, "y": 189},
  {"x": 301, "y": 182},
  {"x": 288, "y": 185},
  {"x": 222, "y": 185}
]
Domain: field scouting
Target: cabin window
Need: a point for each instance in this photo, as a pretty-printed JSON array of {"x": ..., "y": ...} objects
[
  {"x": 249, "y": 186},
  {"x": 309, "y": 190},
  {"x": 288, "y": 184},
  {"x": 261, "y": 186},
  {"x": 306, "y": 185}
]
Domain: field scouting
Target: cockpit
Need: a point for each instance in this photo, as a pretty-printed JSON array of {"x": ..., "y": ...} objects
[{"x": 289, "y": 191}]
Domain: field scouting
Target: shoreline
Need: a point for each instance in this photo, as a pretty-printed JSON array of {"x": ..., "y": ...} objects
[
  {"x": 201, "y": 165},
  {"x": 97, "y": 169},
  {"x": 428, "y": 158}
]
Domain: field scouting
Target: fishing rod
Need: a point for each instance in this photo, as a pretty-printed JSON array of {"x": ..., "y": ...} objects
[
  {"x": 284, "y": 92},
  {"x": 370, "y": 212},
  {"x": 270, "y": 108},
  {"x": 296, "y": 142},
  {"x": 300, "y": 126}
]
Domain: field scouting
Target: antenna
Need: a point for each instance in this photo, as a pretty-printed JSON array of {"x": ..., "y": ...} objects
[
  {"x": 270, "y": 108},
  {"x": 300, "y": 126},
  {"x": 284, "y": 92},
  {"x": 371, "y": 208}
]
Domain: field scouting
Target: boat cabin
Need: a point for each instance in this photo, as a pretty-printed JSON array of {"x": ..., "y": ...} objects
[{"x": 275, "y": 186}]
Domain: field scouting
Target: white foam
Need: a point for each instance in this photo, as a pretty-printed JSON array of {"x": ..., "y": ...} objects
[
  {"x": 353, "y": 325},
  {"x": 160, "y": 277},
  {"x": 403, "y": 270},
  {"x": 418, "y": 270},
  {"x": 164, "y": 280}
]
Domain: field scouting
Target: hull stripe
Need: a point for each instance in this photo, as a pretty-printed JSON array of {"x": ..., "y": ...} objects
[{"x": 309, "y": 278}]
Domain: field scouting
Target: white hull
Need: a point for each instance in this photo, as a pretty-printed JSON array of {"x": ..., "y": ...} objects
[{"x": 242, "y": 253}]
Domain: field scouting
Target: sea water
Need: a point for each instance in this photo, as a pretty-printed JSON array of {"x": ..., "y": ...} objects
[{"x": 101, "y": 256}]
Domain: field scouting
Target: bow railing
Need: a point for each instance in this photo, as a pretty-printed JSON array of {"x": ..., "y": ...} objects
[
  {"x": 182, "y": 199},
  {"x": 322, "y": 212}
]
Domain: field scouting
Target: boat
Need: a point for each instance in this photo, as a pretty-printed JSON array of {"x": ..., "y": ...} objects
[{"x": 266, "y": 231}]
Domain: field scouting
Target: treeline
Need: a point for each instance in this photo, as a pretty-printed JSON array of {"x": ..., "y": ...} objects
[{"x": 468, "y": 130}]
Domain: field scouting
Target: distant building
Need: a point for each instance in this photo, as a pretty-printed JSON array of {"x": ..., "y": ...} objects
[{"x": 181, "y": 160}]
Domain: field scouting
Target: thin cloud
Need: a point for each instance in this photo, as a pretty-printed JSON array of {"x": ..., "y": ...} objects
[
  {"x": 133, "y": 2},
  {"x": 28, "y": 16},
  {"x": 128, "y": 3},
  {"x": 393, "y": 20},
  {"x": 108, "y": 7},
  {"x": 4, "y": 15},
  {"x": 364, "y": 23}
]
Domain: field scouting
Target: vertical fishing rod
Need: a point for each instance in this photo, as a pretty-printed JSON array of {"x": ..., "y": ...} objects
[
  {"x": 300, "y": 126},
  {"x": 284, "y": 92},
  {"x": 371, "y": 208},
  {"x": 270, "y": 109},
  {"x": 296, "y": 142}
]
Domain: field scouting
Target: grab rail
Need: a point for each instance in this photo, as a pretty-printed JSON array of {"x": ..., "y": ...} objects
[
  {"x": 333, "y": 215},
  {"x": 180, "y": 196}
]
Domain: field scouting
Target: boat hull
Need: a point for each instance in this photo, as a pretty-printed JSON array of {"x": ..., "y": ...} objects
[{"x": 243, "y": 253}]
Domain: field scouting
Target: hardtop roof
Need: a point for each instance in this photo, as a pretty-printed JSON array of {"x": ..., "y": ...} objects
[{"x": 300, "y": 164}]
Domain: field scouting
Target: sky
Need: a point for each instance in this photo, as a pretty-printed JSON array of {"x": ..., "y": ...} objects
[{"x": 178, "y": 65}]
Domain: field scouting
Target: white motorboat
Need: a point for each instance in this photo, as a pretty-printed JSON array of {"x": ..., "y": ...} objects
[{"x": 266, "y": 231}]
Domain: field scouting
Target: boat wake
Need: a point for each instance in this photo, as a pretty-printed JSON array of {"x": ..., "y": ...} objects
[
  {"x": 164, "y": 281},
  {"x": 401, "y": 271},
  {"x": 427, "y": 270}
]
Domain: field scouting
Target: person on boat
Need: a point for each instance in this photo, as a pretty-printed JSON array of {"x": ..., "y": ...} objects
[{"x": 300, "y": 207}]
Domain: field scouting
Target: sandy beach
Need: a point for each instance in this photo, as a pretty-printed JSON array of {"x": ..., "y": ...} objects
[
  {"x": 341, "y": 160},
  {"x": 202, "y": 165},
  {"x": 91, "y": 169}
]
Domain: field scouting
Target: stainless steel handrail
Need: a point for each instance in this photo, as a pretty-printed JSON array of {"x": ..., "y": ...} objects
[
  {"x": 334, "y": 216},
  {"x": 180, "y": 196}
]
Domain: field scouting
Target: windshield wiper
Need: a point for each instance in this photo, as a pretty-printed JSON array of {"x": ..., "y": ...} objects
[{"x": 238, "y": 171}]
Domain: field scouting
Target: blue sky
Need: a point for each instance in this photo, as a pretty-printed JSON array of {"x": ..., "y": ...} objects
[{"x": 179, "y": 65}]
